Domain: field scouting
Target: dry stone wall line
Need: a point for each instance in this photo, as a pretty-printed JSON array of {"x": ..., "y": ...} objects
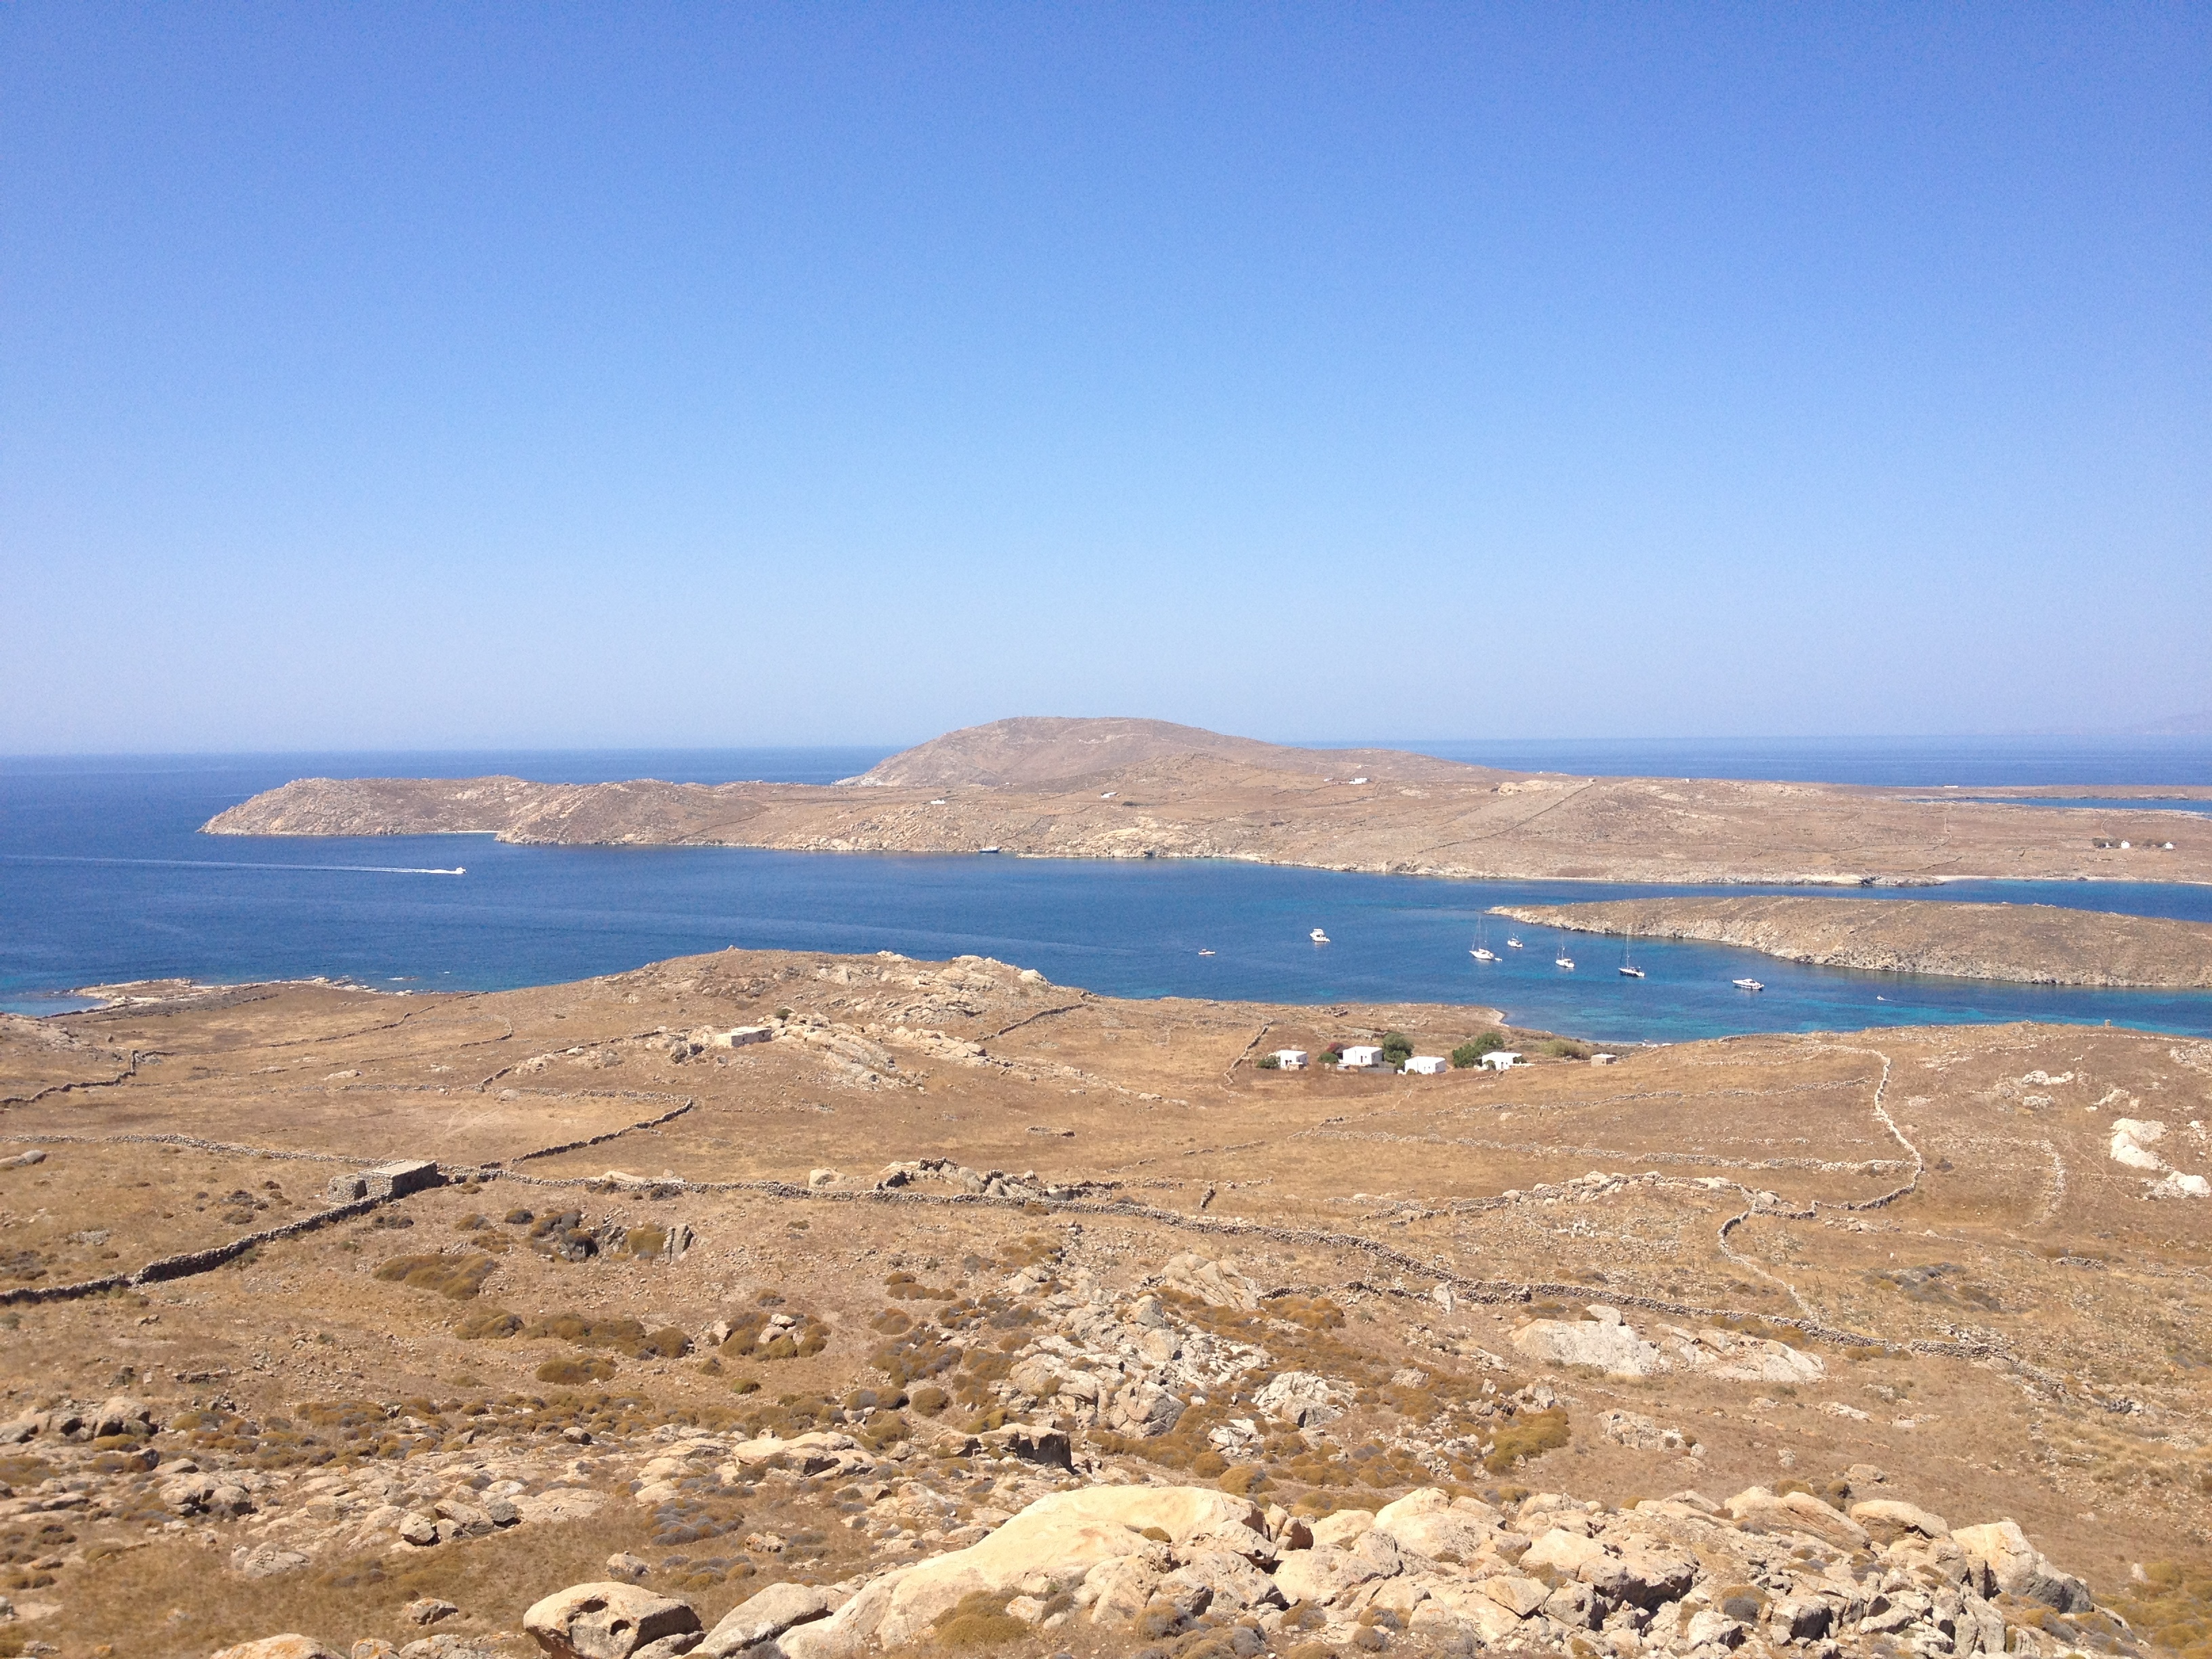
[
  {"x": 1245, "y": 1054},
  {"x": 1042, "y": 1013},
  {"x": 188, "y": 1262},
  {"x": 120, "y": 1078},
  {"x": 1881, "y": 1111},
  {"x": 194, "y": 1141},
  {"x": 611, "y": 1134},
  {"x": 1703, "y": 1160}
]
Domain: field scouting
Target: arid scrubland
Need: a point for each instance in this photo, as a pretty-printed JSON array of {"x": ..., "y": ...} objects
[{"x": 963, "y": 1309}]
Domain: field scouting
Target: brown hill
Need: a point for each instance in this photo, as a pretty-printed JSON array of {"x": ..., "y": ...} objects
[
  {"x": 1038, "y": 749},
  {"x": 2033, "y": 944}
]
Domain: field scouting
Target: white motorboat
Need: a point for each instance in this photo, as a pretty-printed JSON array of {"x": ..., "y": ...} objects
[
  {"x": 987, "y": 849},
  {"x": 1206, "y": 953},
  {"x": 1318, "y": 937},
  {"x": 1747, "y": 985}
]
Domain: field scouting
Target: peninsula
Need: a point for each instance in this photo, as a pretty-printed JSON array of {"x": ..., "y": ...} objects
[
  {"x": 2032, "y": 943},
  {"x": 1130, "y": 788}
]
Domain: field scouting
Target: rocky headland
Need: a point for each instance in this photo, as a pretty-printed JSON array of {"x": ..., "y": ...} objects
[
  {"x": 1127, "y": 789},
  {"x": 2031, "y": 944}
]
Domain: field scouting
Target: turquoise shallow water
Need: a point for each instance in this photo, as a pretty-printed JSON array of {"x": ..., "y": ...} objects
[{"x": 103, "y": 878}]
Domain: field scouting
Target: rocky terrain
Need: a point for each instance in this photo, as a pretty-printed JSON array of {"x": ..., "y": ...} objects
[
  {"x": 2033, "y": 944},
  {"x": 1123, "y": 789},
  {"x": 813, "y": 1306}
]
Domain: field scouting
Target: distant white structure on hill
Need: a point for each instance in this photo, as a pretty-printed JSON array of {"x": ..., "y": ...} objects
[
  {"x": 1291, "y": 1059},
  {"x": 1425, "y": 1065},
  {"x": 1360, "y": 1054},
  {"x": 1500, "y": 1059}
]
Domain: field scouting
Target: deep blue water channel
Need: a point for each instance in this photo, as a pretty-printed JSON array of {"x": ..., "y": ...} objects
[{"x": 104, "y": 879}]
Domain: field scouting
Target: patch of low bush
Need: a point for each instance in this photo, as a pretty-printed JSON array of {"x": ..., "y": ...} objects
[{"x": 459, "y": 1277}]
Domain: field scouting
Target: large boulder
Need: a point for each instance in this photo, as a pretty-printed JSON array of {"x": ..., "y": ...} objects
[
  {"x": 2016, "y": 1567},
  {"x": 1795, "y": 1511},
  {"x": 277, "y": 1647},
  {"x": 1325, "y": 1572},
  {"x": 122, "y": 1414},
  {"x": 1055, "y": 1544},
  {"x": 1215, "y": 1283},
  {"x": 765, "y": 1614},
  {"x": 1887, "y": 1520},
  {"x": 1640, "y": 1570},
  {"x": 1426, "y": 1523},
  {"x": 1147, "y": 1411},
  {"x": 1607, "y": 1346},
  {"x": 1302, "y": 1398},
  {"x": 611, "y": 1621}
]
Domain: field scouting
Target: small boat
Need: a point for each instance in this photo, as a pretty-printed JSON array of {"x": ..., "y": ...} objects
[
  {"x": 1747, "y": 985},
  {"x": 987, "y": 849},
  {"x": 1480, "y": 950},
  {"x": 1206, "y": 953},
  {"x": 1481, "y": 955},
  {"x": 1318, "y": 937},
  {"x": 1627, "y": 967}
]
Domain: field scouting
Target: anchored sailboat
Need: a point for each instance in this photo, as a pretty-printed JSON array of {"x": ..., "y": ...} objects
[
  {"x": 1481, "y": 951},
  {"x": 1563, "y": 960},
  {"x": 1626, "y": 966}
]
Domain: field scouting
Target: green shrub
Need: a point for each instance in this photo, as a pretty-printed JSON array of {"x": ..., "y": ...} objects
[
  {"x": 1397, "y": 1048},
  {"x": 1470, "y": 1053}
]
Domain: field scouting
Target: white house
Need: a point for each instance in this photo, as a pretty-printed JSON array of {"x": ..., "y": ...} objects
[
  {"x": 1361, "y": 1053},
  {"x": 1500, "y": 1059},
  {"x": 1291, "y": 1059},
  {"x": 1603, "y": 1060},
  {"x": 1425, "y": 1065}
]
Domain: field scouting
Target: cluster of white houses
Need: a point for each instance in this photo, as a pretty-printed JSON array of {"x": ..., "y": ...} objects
[{"x": 1368, "y": 1057}]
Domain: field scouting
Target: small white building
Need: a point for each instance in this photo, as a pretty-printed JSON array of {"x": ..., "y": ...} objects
[
  {"x": 1360, "y": 1054},
  {"x": 1425, "y": 1065},
  {"x": 1501, "y": 1060},
  {"x": 1291, "y": 1059},
  {"x": 1603, "y": 1060}
]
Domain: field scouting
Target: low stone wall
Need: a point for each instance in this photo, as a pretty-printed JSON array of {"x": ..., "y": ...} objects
[{"x": 190, "y": 1262}]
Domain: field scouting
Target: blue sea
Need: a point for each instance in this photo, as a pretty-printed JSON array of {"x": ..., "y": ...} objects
[{"x": 104, "y": 879}]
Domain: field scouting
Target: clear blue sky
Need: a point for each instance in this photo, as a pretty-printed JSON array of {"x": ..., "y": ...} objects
[{"x": 415, "y": 375}]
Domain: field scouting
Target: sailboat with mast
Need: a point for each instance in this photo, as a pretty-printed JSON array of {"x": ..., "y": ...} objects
[
  {"x": 1480, "y": 950},
  {"x": 1628, "y": 967},
  {"x": 1563, "y": 960}
]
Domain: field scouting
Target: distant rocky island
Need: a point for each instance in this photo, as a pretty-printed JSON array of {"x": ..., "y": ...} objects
[
  {"x": 1136, "y": 789},
  {"x": 2031, "y": 944}
]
